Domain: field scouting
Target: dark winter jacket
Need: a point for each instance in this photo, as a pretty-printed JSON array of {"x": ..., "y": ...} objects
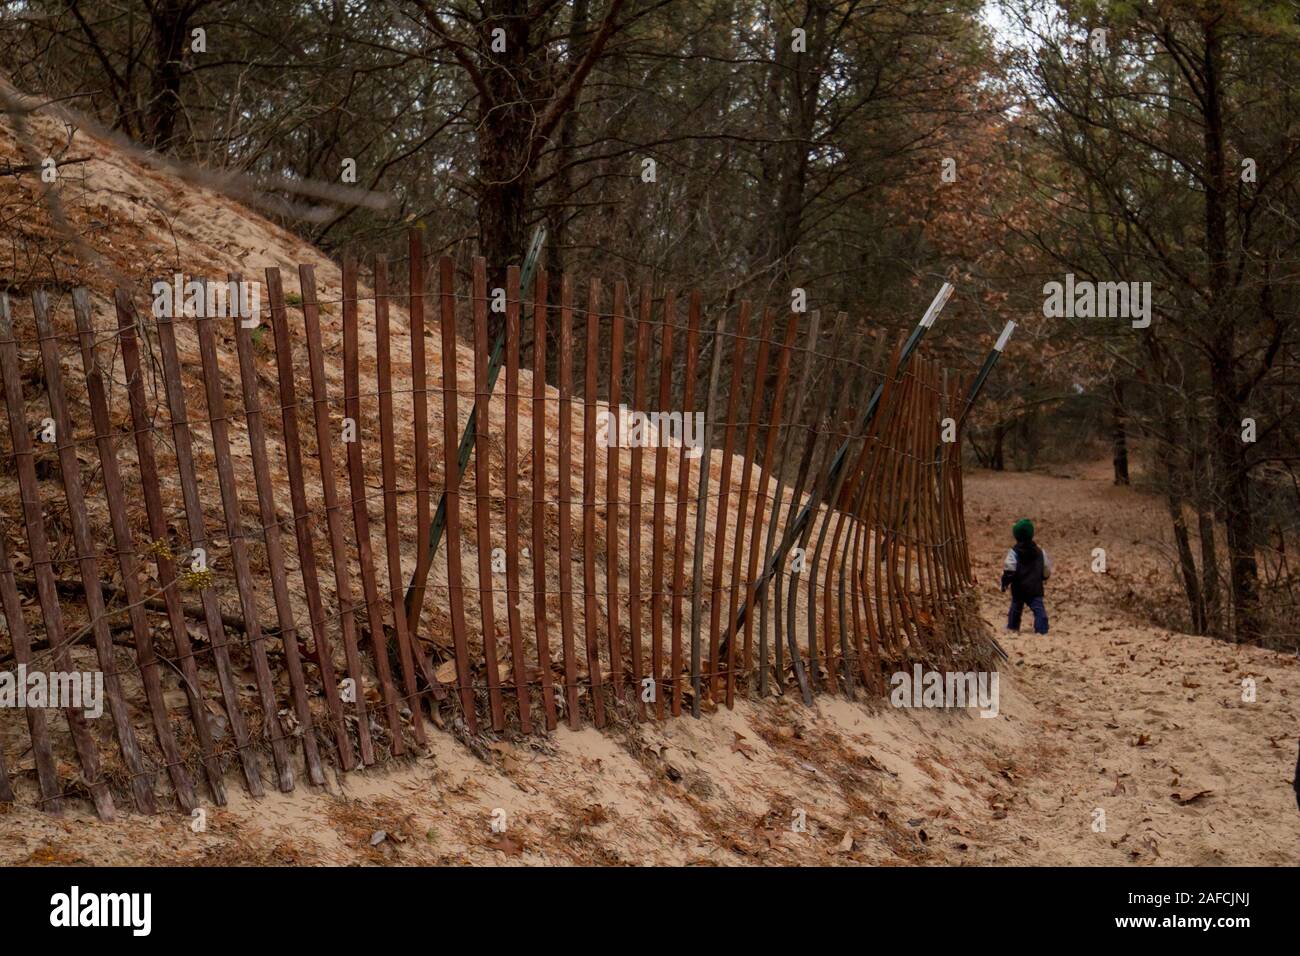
[{"x": 1026, "y": 568}]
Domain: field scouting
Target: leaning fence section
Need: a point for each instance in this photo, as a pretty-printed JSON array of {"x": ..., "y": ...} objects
[{"x": 240, "y": 539}]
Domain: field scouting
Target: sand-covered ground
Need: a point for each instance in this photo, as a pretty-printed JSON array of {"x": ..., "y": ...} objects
[{"x": 1107, "y": 713}]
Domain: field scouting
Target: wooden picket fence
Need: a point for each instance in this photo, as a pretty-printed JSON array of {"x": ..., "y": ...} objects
[{"x": 613, "y": 581}]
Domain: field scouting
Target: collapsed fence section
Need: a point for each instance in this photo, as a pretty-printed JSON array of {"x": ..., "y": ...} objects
[{"x": 703, "y": 510}]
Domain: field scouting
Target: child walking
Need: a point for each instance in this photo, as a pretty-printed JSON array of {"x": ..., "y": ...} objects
[{"x": 1026, "y": 568}]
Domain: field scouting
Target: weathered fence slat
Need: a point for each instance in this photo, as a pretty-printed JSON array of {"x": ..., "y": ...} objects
[
  {"x": 882, "y": 544},
  {"x": 924, "y": 439},
  {"x": 13, "y": 611},
  {"x": 566, "y": 502},
  {"x": 868, "y": 658},
  {"x": 415, "y": 662},
  {"x": 836, "y": 500},
  {"x": 682, "y": 499},
  {"x": 141, "y": 783},
  {"x": 910, "y": 508},
  {"x": 959, "y": 493},
  {"x": 660, "y": 493},
  {"x": 513, "y": 622},
  {"x": 539, "y": 452},
  {"x": 846, "y": 507},
  {"x": 942, "y": 554},
  {"x": 702, "y": 519},
  {"x": 589, "y": 610},
  {"x": 124, "y": 543},
  {"x": 182, "y": 442},
  {"x": 805, "y": 674},
  {"x": 870, "y": 516},
  {"x": 47, "y": 775},
  {"x": 788, "y": 589},
  {"x": 913, "y": 559},
  {"x": 851, "y": 569},
  {"x": 411, "y": 658},
  {"x": 483, "y": 495},
  {"x": 288, "y": 626},
  {"x": 841, "y": 431},
  {"x": 634, "y": 498},
  {"x": 302, "y": 521},
  {"x": 942, "y": 550},
  {"x": 920, "y": 597},
  {"x": 6, "y": 789},
  {"x": 894, "y": 503},
  {"x": 742, "y": 502},
  {"x": 420, "y": 426},
  {"x": 771, "y": 597},
  {"x": 38, "y": 545},
  {"x": 612, "y": 479},
  {"x": 870, "y": 554},
  {"x": 361, "y": 508},
  {"x": 933, "y": 542},
  {"x": 829, "y": 412},
  {"x": 333, "y": 519},
  {"x": 239, "y": 550},
  {"x": 147, "y": 465},
  {"x": 451, "y": 488},
  {"x": 761, "y": 497},
  {"x": 724, "y": 489}
]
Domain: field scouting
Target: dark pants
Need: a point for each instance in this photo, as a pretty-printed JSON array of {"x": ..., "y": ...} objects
[{"x": 1035, "y": 605}]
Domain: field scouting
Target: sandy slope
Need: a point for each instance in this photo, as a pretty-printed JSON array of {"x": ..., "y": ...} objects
[{"x": 1105, "y": 713}]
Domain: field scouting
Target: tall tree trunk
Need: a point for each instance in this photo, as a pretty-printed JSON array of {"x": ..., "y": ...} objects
[
  {"x": 505, "y": 126},
  {"x": 170, "y": 28},
  {"x": 557, "y": 217},
  {"x": 1233, "y": 471},
  {"x": 1119, "y": 433},
  {"x": 559, "y": 211},
  {"x": 1202, "y": 495},
  {"x": 1186, "y": 560},
  {"x": 997, "y": 458},
  {"x": 1239, "y": 525},
  {"x": 1210, "y": 573},
  {"x": 1175, "y": 498},
  {"x": 1171, "y": 433},
  {"x": 794, "y": 91}
]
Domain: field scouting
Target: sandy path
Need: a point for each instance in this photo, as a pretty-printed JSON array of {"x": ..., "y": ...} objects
[{"x": 1130, "y": 718}]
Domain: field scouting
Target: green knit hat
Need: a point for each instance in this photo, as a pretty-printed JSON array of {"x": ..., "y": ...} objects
[{"x": 1023, "y": 530}]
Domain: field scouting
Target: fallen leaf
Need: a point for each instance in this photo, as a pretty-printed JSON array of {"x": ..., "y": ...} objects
[
  {"x": 503, "y": 844},
  {"x": 738, "y": 746}
]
